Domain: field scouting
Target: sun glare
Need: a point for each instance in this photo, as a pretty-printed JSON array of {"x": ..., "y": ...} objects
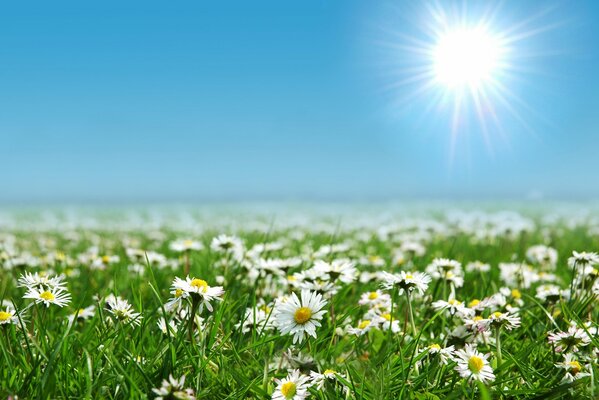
[{"x": 466, "y": 57}]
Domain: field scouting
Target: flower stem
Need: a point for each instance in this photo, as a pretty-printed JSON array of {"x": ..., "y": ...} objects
[
  {"x": 498, "y": 345},
  {"x": 414, "y": 332}
]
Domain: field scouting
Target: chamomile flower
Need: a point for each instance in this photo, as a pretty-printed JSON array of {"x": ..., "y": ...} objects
[
  {"x": 406, "y": 281},
  {"x": 477, "y": 266},
  {"x": 293, "y": 387},
  {"x": 83, "y": 313},
  {"x": 569, "y": 341},
  {"x": 341, "y": 269},
  {"x": 445, "y": 353},
  {"x": 375, "y": 299},
  {"x": 8, "y": 316},
  {"x": 165, "y": 327},
  {"x": 574, "y": 369},
  {"x": 506, "y": 320},
  {"x": 454, "y": 307},
  {"x": 319, "y": 380},
  {"x": 583, "y": 259},
  {"x": 172, "y": 388},
  {"x": 299, "y": 317},
  {"x": 198, "y": 290},
  {"x": 258, "y": 319},
  {"x": 48, "y": 296},
  {"x": 363, "y": 327},
  {"x": 121, "y": 311},
  {"x": 41, "y": 281},
  {"x": 180, "y": 246},
  {"x": 473, "y": 365}
]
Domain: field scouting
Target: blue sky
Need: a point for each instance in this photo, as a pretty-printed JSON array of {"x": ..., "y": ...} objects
[{"x": 125, "y": 101}]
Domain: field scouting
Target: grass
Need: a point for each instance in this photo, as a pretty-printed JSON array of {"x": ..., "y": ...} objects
[{"x": 44, "y": 356}]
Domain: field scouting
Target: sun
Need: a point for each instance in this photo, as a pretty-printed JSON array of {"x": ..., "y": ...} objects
[{"x": 467, "y": 57}]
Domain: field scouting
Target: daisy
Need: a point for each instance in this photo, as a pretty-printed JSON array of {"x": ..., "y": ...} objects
[
  {"x": 375, "y": 299},
  {"x": 342, "y": 270},
  {"x": 293, "y": 387},
  {"x": 507, "y": 320},
  {"x": 477, "y": 266},
  {"x": 320, "y": 379},
  {"x": 583, "y": 259},
  {"x": 121, "y": 310},
  {"x": 473, "y": 365},
  {"x": 48, "y": 296},
  {"x": 174, "y": 389},
  {"x": 256, "y": 319},
  {"x": 570, "y": 340},
  {"x": 44, "y": 281},
  {"x": 199, "y": 290},
  {"x": 83, "y": 313},
  {"x": 406, "y": 281},
  {"x": 542, "y": 255},
  {"x": 228, "y": 245},
  {"x": 297, "y": 317},
  {"x": 180, "y": 246},
  {"x": 167, "y": 327},
  {"x": 574, "y": 370},
  {"x": 8, "y": 316},
  {"x": 445, "y": 353},
  {"x": 454, "y": 307},
  {"x": 363, "y": 327}
]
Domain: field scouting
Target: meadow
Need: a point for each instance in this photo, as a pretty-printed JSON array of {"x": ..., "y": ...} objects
[{"x": 391, "y": 304}]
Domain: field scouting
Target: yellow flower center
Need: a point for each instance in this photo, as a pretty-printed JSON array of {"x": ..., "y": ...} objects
[
  {"x": 434, "y": 347},
  {"x": 452, "y": 302},
  {"x": 329, "y": 372},
  {"x": 373, "y": 296},
  {"x": 187, "y": 243},
  {"x": 475, "y": 364},
  {"x": 291, "y": 278},
  {"x": 178, "y": 292},
  {"x": 200, "y": 284},
  {"x": 409, "y": 276},
  {"x": 5, "y": 316},
  {"x": 449, "y": 275},
  {"x": 497, "y": 314},
  {"x": 575, "y": 367},
  {"x": 477, "y": 318},
  {"x": 374, "y": 258},
  {"x": 516, "y": 294},
  {"x": 387, "y": 316},
  {"x": 288, "y": 389},
  {"x": 47, "y": 296},
  {"x": 302, "y": 315},
  {"x": 105, "y": 259},
  {"x": 474, "y": 303},
  {"x": 364, "y": 324}
]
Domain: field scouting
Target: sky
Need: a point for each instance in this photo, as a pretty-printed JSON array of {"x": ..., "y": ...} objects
[{"x": 269, "y": 100}]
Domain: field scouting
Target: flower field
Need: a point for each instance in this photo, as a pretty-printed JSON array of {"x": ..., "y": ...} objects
[{"x": 349, "y": 304}]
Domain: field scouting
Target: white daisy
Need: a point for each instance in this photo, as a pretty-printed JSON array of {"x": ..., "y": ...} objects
[
  {"x": 122, "y": 311},
  {"x": 473, "y": 365},
  {"x": 180, "y": 246},
  {"x": 172, "y": 388},
  {"x": 44, "y": 281},
  {"x": 198, "y": 289},
  {"x": 293, "y": 387},
  {"x": 48, "y": 296},
  {"x": 8, "y": 316},
  {"x": 83, "y": 313},
  {"x": 297, "y": 317},
  {"x": 406, "y": 281}
]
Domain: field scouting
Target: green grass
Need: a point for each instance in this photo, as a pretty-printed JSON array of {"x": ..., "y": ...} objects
[{"x": 45, "y": 357}]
